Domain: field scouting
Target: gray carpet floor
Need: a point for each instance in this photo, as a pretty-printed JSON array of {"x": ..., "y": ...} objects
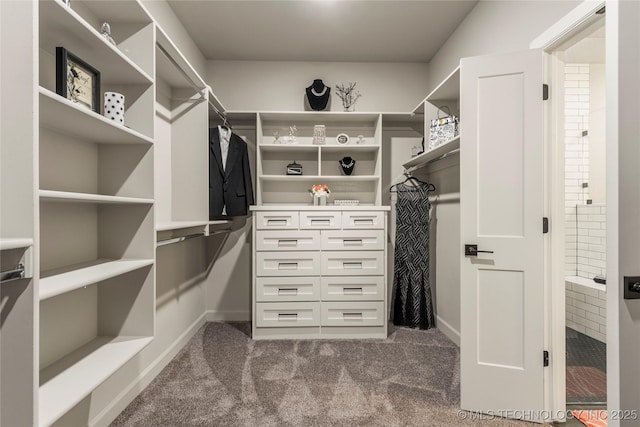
[{"x": 223, "y": 378}]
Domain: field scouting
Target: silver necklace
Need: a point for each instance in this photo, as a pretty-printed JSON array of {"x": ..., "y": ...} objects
[
  {"x": 324, "y": 90},
  {"x": 349, "y": 166}
]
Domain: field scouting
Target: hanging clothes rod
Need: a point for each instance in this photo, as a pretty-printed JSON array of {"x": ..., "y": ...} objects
[
  {"x": 178, "y": 239},
  {"x": 15, "y": 274}
]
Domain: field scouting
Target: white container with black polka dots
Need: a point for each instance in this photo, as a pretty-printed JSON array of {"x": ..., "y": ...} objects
[{"x": 114, "y": 107}]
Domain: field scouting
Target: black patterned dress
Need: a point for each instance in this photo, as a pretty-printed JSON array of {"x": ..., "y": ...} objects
[{"x": 412, "y": 303}]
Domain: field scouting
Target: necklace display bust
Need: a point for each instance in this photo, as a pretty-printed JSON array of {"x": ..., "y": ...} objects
[
  {"x": 318, "y": 95},
  {"x": 347, "y": 164}
]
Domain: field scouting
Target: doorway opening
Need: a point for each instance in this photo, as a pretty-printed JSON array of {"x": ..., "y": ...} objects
[{"x": 582, "y": 65}]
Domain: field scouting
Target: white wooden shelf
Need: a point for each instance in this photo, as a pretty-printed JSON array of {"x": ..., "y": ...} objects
[
  {"x": 318, "y": 116},
  {"x": 288, "y": 147},
  {"x": 432, "y": 155},
  {"x": 62, "y": 26},
  {"x": 15, "y": 243},
  {"x": 65, "y": 196},
  {"x": 218, "y": 226},
  {"x": 177, "y": 225},
  {"x": 69, "y": 380},
  {"x": 67, "y": 279},
  {"x": 67, "y": 117},
  {"x": 356, "y": 148},
  {"x": 294, "y": 178}
]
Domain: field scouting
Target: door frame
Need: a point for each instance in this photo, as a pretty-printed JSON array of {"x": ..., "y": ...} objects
[{"x": 549, "y": 41}]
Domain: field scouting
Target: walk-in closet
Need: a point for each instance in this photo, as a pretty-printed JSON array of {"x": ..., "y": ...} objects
[{"x": 306, "y": 212}]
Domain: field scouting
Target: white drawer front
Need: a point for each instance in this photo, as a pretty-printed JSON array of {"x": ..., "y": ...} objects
[
  {"x": 320, "y": 220},
  {"x": 352, "y": 240},
  {"x": 287, "y": 264},
  {"x": 353, "y": 314},
  {"x": 352, "y": 288},
  {"x": 277, "y": 220},
  {"x": 287, "y": 314},
  {"x": 281, "y": 289},
  {"x": 363, "y": 263},
  {"x": 354, "y": 219},
  {"x": 284, "y": 240}
]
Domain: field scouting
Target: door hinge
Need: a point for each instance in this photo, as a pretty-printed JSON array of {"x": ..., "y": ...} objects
[
  {"x": 545, "y": 92},
  {"x": 545, "y": 358},
  {"x": 545, "y": 225}
]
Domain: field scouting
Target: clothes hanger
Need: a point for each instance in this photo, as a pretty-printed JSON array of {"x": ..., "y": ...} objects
[{"x": 413, "y": 179}]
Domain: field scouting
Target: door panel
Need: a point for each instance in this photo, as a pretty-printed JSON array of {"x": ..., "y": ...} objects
[
  {"x": 501, "y": 188},
  {"x": 500, "y": 155}
]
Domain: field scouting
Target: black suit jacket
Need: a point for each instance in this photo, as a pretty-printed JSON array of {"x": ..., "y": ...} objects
[{"x": 229, "y": 186}]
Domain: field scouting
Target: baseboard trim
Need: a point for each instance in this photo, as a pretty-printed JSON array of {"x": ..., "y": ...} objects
[
  {"x": 228, "y": 316},
  {"x": 110, "y": 413},
  {"x": 448, "y": 330}
]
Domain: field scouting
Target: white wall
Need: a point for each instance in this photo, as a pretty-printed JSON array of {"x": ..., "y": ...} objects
[
  {"x": 597, "y": 137},
  {"x": 280, "y": 86},
  {"x": 496, "y": 26}
]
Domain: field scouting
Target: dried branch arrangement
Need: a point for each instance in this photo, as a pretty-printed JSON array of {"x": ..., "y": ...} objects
[{"x": 348, "y": 95}]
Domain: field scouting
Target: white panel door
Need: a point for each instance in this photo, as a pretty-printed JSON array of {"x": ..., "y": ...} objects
[{"x": 501, "y": 188}]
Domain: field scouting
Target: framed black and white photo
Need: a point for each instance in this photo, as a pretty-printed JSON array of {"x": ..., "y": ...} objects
[{"x": 76, "y": 80}]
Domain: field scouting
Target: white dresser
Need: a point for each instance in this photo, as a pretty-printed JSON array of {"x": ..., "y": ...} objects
[{"x": 319, "y": 272}]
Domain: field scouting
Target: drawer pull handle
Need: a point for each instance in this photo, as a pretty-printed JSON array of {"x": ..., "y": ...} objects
[
  {"x": 346, "y": 264},
  {"x": 368, "y": 221},
  {"x": 352, "y": 291},
  {"x": 352, "y": 316},
  {"x": 287, "y": 265},
  {"x": 320, "y": 221},
  {"x": 276, "y": 222},
  {"x": 352, "y": 242},
  {"x": 287, "y": 242},
  {"x": 287, "y": 291},
  {"x": 287, "y": 316}
]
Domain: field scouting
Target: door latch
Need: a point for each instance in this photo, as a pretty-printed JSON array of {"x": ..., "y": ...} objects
[
  {"x": 472, "y": 250},
  {"x": 631, "y": 287}
]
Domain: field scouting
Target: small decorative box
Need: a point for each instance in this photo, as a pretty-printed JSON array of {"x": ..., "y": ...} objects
[
  {"x": 294, "y": 168},
  {"x": 346, "y": 202}
]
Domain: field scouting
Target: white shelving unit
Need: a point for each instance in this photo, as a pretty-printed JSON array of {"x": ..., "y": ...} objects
[
  {"x": 446, "y": 94},
  {"x": 96, "y": 246},
  {"x": 320, "y": 163}
]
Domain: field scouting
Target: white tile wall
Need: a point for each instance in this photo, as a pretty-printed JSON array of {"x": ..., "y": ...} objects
[
  {"x": 586, "y": 311},
  {"x": 591, "y": 241},
  {"x": 576, "y": 155}
]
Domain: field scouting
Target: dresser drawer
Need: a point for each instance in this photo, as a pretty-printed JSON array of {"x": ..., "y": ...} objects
[
  {"x": 352, "y": 288},
  {"x": 353, "y": 313},
  {"x": 282, "y": 289},
  {"x": 352, "y": 240},
  {"x": 285, "y": 240},
  {"x": 285, "y": 220},
  {"x": 356, "y": 263},
  {"x": 320, "y": 220},
  {"x": 287, "y": 314},
  {"x": 355, "y": 219},
  {"x": 276, "y": 264}
]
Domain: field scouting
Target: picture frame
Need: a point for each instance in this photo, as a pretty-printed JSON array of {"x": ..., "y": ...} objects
[
  {"x": 76, "y": 80},
  {"x": 342, "y": 138}
]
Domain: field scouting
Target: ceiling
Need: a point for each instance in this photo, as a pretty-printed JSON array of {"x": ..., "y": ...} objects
[{"x": 321, "y": 30}]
